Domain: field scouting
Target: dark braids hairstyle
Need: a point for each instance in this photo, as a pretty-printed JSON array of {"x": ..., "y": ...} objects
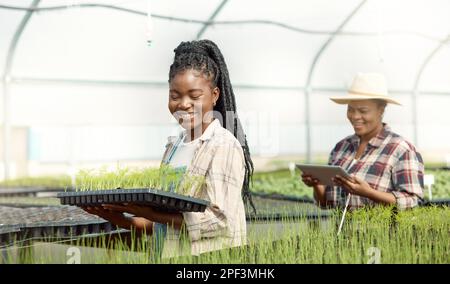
[{"x": 204, "y": 56}]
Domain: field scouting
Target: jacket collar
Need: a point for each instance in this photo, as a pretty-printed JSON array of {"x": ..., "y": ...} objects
[
  {"x": 209, "y": 132},
  {"x": 375, "y": 141}
]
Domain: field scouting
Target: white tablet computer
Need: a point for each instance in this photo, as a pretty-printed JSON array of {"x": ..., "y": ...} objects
[{"x": 323, "y": 173}]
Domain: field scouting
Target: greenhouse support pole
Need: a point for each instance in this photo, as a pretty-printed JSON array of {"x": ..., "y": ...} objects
[
  {"x": 211, "y": 18},
  {"x": 308, "y": 87},
  {"x": 415, "y": 92},
  {"x": 6, "y": 88}
]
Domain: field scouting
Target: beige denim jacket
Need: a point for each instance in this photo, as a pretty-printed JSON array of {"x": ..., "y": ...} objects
[{"x": 219, "y": 159}]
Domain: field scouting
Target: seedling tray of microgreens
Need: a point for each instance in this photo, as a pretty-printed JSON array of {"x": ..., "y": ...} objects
[
  {"x": 65, "y": 229},
  {"x": 437, "y": 202},
  {"x": 7, "y": 233},
  {"x": 48, "y": 222},
  {"x": 162, "y": 188},
  {"x": 168, "y": 201},
  {"x": 48, "y": 231}
]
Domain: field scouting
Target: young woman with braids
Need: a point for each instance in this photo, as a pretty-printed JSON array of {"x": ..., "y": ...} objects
[{"x": 212, "y": 146}]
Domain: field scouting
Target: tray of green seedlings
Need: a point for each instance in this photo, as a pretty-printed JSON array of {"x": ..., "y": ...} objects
[
  {"x": 163, "y": 188},
  {"x": 65, "y": 229},
  {"x": 7, "y": 233}
]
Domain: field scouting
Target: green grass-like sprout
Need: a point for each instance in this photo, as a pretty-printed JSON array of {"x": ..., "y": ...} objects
[{"x": 163, "y": 178}]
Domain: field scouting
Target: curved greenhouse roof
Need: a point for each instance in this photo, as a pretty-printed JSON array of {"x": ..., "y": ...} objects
[{"x": 84, "y": 70}]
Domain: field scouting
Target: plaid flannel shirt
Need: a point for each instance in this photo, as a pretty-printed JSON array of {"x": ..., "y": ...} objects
[
  {"x": 389, "y": 164},
  {"x": 220, "y": 159}
]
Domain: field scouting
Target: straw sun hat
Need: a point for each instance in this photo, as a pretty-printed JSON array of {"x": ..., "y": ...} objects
[{"x": 366, "y": 86}]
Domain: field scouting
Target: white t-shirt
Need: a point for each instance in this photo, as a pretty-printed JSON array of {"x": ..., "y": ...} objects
[
  {"x": 180, "y": 160},
  {"x": 184, "y": 154}
]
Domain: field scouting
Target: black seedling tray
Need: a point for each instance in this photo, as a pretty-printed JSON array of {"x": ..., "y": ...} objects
[
  {"x": 276, "y": 196},
  {"x": 437, "y": 202},
  {"x": 163, "y": 200},
  {"x": 7, "y": 233},
  {"x": 65, "y": 229},
  {"x": 273, "y": 217},
  {"x": 52, "y": 230}
]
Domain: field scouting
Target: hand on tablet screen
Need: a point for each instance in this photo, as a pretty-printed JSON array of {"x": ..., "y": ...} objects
[
  {"x": 353, "y": 185},
  {"x": 310, "y": 181}
]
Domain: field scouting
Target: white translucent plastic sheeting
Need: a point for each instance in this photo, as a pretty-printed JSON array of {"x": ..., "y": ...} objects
[
  {"x": 111, "y": 45},
  {"x": 110, "y": 143},
  {"x": 281, "y": 105},
  {"x": 105, "y": 44},
  {"x": 77, "y": 45},
  {"x": 9, "y": 20},
  {"x": 197, "y": 9},
  {"x": 399, "y": 58},
  {"x": 98, "y": 143},
  {"x": 312, "y": 15},
  {"x": 437, "y": 73},
  {"x": 434, "y": 123},
  {"x": 426, "y": 17},
  {"x": 267, "y": 55},
  {"x": 41, "y": 104}
]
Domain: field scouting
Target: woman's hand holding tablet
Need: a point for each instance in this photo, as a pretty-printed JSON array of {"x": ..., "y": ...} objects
[{"x": 322, "y": 173}]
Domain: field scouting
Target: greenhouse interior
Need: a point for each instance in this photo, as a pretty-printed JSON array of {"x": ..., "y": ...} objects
[{"x": 97, "y": 165}]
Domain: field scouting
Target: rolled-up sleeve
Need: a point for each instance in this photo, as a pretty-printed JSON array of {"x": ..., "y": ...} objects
[
  {"x": 224, "y": 180},
  {"x": 407, "y": 177}
]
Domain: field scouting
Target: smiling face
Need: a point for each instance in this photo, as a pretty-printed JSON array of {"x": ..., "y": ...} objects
[
  {"x": 366, "y": 117},
  {"x": 191, "y": 100}
]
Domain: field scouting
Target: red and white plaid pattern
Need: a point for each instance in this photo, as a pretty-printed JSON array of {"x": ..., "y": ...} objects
[{"x": 389, "y": 164}]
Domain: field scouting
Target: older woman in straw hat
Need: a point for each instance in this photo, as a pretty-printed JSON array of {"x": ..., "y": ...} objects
[{"x": 384, "y": 167}]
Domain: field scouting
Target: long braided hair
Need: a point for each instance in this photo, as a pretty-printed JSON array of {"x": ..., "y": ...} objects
[{"x": 204, "y": 56}]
